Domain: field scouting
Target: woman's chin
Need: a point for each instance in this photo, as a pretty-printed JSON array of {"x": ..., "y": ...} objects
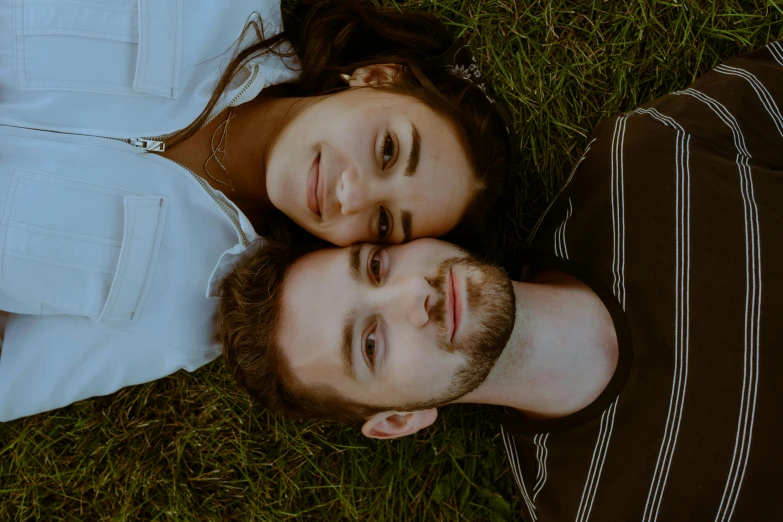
[{"x": 339, "y": 240}]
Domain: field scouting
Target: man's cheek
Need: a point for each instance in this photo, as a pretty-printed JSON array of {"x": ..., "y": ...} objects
[{"x": 422, "y": 380}]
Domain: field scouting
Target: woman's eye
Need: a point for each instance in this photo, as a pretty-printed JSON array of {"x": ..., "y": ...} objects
[
  {"x": 375, "y": 266},
  {"x": 387, "y": 150},
  {"x": 383, "y": 224},
  {"x": 369, "y": 347}
]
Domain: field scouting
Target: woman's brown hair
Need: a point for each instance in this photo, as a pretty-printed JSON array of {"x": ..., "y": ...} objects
[{"x": 333, "y": 37}]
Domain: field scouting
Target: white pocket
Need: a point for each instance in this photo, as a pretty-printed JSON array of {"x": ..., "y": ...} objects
[
  {"x": 130, "y": 47},
  {"x": 71, "y": 247}
]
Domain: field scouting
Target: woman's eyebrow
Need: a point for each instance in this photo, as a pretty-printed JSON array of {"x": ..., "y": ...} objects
[{"x": 413, "y": 157}]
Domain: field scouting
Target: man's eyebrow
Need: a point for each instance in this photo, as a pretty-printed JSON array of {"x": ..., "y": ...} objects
[
  {"x": 413, "y": 159},
  {"x": 407, "y": 227},
  {"x": 348, "y": 326},
  {"x": 355, "y": 257}
]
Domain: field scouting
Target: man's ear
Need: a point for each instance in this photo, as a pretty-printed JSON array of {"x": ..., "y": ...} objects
[
  {"x": 371, "y": 75},
  {"x": 392, "y": 424}
]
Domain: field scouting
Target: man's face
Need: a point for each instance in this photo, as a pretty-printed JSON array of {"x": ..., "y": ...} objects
[{"x": 395, "y": 325}]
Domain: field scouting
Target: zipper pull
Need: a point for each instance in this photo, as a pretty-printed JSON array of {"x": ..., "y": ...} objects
[{"x": 148, "y": 145}]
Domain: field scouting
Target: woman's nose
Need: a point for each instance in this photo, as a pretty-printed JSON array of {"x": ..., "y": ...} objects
[{"x": 352, "y": 192}]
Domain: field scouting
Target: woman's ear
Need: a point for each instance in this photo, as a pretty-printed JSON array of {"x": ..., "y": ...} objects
[
  {"x": 392, "y": 425},
  {"x": 372, "y": 75}
]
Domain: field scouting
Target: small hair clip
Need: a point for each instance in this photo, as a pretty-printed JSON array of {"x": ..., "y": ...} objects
[{"x": 459, "y": 61}]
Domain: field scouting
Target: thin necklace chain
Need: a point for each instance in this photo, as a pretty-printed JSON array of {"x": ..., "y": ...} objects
[{"x": 219, "y": 151}]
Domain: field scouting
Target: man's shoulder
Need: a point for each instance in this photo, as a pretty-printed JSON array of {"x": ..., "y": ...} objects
[{"x": 585, "y": 188}]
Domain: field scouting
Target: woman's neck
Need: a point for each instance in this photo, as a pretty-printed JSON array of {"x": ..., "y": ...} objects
[{"x": 230, "y": 152}]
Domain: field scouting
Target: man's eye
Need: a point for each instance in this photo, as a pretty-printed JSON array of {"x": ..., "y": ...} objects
[
  {"x": 369, "y": 347},
  {"x": 383, "y": 224},
  {"x": 375, "y": 266},
  {"x": 387, "y": 150}
]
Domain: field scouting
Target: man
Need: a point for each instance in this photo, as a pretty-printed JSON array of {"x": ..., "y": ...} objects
[{"x": 635, "y": 362}]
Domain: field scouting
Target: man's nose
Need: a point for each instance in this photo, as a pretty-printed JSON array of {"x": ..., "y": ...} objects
[
  {"x": 417, "y": 298},
  {"x": 353, "y": 192}
]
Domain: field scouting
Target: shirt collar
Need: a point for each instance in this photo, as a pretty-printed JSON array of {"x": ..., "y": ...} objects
[{"x": 233, "y": 255}]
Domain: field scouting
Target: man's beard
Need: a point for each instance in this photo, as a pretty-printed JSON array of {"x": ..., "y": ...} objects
[{"x": 493, "y": 300}]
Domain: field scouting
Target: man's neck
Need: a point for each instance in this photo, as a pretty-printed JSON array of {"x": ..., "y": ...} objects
[{"x": 561, "y": 355}]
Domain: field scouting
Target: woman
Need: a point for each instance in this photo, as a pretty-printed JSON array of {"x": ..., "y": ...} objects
[{"x": 130, "y": 181}]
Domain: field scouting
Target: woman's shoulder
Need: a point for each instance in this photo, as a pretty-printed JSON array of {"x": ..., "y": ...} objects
[{"x": 124, "y": 68}]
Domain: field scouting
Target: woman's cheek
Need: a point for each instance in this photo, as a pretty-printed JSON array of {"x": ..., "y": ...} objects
[{"x": 347, "y": 231}]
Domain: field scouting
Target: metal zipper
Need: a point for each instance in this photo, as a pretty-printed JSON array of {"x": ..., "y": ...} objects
[
  {"x": 144, "y": 143},
  {"x": 222, "y": 204},
  {"x": 158, "y": 144},
  {"x": 149, "y": 144},
  {"x": 250, "y": 81}
]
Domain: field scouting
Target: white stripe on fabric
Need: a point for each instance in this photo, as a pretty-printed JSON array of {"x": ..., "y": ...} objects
[
  {"x": 750, "y": 372},
  {"x": 538, "y": 458},
  {"x": 681, "y": 316},
  {"x": 752, "y": 344},
  {"x": 597, "y": 449},
  {"x": 511, "y": 450},
  {"x": 764, "y": 96},
  {"x": 618, "y": 269},
  {"x": 573, "y": 171},
  {"x": 561, "y": 249},
  {"x": 776, "y": 50},
  {"x": 724, "y": 115},
  {"x": 597, "y": 464},
  {"x": 542, "y": 474},
  {"x": 618, "y": 209}
]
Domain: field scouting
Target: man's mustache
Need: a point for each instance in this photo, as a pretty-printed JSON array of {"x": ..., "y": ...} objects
[{"x": 438, "y": 310}]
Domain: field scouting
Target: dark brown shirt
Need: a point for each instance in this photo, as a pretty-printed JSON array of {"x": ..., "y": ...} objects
[{"x": 674, "y": 216}]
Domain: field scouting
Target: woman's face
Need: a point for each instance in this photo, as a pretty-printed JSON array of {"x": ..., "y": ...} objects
[{"x": 370, "y": 165}]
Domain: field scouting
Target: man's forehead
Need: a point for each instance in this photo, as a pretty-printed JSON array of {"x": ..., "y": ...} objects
[
  {"x": 346, "y": 259},
  {"x": 326, "y": 257},
  {"x": 315, "y": 295},
  {"x": 315, "y": 273},
  {"x": 318, "y": 296}
]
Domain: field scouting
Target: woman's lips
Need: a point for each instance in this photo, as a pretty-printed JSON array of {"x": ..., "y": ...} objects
[
  {"x": 320, "y": 189},
  {"x": 312, "y": 186}
]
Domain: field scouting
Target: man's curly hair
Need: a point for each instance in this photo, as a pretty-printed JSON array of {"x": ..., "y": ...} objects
[{"x": 247, "y": 325}]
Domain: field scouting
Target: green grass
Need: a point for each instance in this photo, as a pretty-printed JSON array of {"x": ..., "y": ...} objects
[{"x": 191, "y": 447}]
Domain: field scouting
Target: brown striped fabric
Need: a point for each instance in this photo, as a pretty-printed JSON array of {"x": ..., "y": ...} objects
[{"x": 674, "y": 215}]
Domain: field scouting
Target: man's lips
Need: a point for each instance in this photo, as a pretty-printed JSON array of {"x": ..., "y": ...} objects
[
  {"x": 454, "y": 303},
  {"x": 313, "y": 182}
]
